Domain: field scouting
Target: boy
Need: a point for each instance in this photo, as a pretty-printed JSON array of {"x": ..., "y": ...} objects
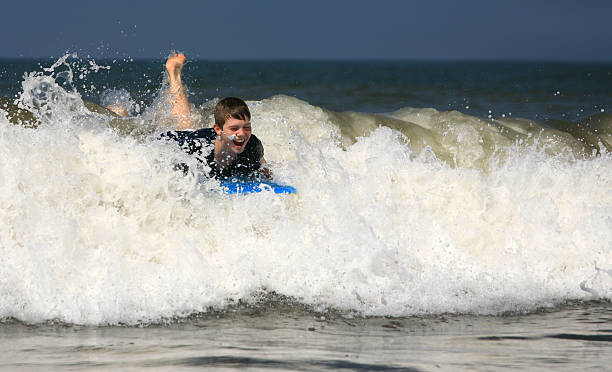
[{"x": 236, "y": 151}]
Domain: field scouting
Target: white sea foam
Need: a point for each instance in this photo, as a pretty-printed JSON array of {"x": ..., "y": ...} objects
[{"x": 98, "y": 228}]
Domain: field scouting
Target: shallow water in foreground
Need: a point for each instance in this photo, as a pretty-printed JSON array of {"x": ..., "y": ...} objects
[{"x": 574, "y": 336}]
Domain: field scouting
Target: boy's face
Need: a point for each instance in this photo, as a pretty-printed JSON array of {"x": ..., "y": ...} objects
[{"x": 235, "y": 134}]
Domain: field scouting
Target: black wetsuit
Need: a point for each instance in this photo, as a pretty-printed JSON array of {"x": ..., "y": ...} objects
[{"x": 201, "y": 144}]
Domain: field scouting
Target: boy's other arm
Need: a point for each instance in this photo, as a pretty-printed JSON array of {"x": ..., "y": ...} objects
[{"x": 264, "y": 169}]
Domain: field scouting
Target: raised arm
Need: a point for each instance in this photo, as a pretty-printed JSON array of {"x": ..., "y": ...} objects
[{"x": 180, "y": 107}]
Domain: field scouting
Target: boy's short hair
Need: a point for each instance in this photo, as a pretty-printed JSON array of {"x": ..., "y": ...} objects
[{"x": 231, "y": 107}]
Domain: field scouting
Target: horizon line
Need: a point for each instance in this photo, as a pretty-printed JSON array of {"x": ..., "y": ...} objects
[{"x": 250, "y": 60}]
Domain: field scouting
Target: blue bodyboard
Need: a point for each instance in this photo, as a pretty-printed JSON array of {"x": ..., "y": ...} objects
[{"x": 250, "y": 187}]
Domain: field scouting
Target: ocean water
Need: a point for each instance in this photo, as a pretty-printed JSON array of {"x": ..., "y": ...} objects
[{"x": 453, "y": 215}]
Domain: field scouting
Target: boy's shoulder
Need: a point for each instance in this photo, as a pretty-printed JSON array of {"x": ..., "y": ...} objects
[
  {"x": 207, "y": 134},
  {"x": 255, "y": 146}
]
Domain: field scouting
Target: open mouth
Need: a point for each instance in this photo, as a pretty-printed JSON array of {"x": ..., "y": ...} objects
[{"x": 238, "y": 142}]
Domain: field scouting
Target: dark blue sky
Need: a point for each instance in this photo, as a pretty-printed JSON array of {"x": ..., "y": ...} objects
[{"x": 563, "y": 30}]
